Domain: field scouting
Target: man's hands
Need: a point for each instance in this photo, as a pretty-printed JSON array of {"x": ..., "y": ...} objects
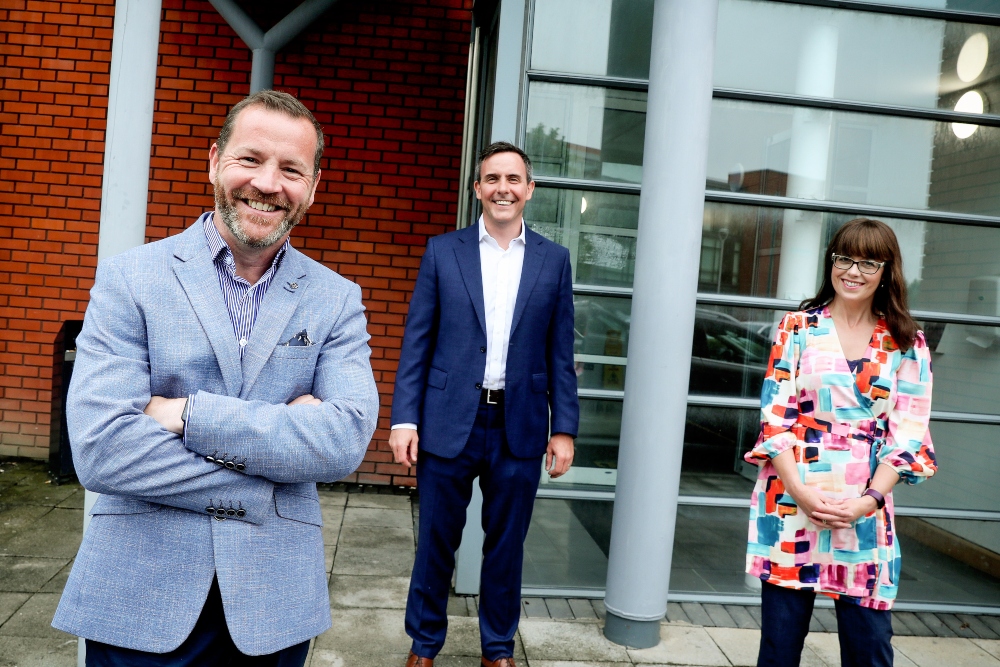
[
  {"x": 167, "y": 411},
  {"x": 403, "y": 442},
  {"x": 306, "y": 399},
  {"x": 559, "y": 455}
]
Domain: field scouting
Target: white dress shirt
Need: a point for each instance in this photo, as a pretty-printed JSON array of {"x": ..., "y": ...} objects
[{"x": 501, "y": 273}]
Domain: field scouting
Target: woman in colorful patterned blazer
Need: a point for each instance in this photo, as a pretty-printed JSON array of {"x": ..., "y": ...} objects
[{"x": 845, "y": 408}]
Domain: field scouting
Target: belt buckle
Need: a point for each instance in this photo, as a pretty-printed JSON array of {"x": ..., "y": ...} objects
[{"x": 489, "y": 399}]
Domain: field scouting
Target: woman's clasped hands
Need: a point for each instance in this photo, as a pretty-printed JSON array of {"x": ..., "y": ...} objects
[{"x": 828, "y": 513}]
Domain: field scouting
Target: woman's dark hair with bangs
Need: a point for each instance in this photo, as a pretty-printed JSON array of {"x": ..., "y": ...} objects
[{"x": 872, "y": 239}]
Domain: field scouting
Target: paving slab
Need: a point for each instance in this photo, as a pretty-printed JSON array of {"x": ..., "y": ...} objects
[
  {"x": 682, "y": 645},
  {"x": 23, "y": 574},
  {"x": 378, "y": 500},
  {"x": 44, "y": 543},
  {"x": 991, "y": 646},
  {"x": 373, "y": 561},
  {"x": 9, "y": 603},
  {"x": 35, "y": 652},
  {"x": 57, "y": 583},
  {"x": 936, "y": 651},
  {"x": 364, "y": 631},
  {"x": 982, "y": 630},
  {"x": 577, "y": 663},
  {"x": 34, "y": 618},
  {"x": 332, "y": 499},
  {"x": 742, "y": 617},
  {"x": 739, "y": 645},
  {"x": 555, "y": 640},
  {"x": 370, "y": 516},
  {"x": 64, "y": 520},
  {"x": 559, "y": 609},
  {"x": 336, "y": 658},
  {"x": 371, "y": 592},
  {"x": 74, "y": 501},
  {"x": 377, "y": 537}
]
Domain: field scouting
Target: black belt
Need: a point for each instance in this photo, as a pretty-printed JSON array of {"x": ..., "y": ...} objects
[{"x": 491, "y": 397}]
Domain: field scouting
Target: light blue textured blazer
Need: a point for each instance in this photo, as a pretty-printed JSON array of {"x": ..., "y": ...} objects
[{"x": 157, "y": 325}]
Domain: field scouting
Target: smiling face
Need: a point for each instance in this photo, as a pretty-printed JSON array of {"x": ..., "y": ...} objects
[
  {"x": 503, "y": 188},
  {"x": 853, "y": 286},
  {"x": 263, "y": 179}
]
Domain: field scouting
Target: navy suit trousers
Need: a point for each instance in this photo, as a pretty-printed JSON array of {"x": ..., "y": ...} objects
[
  {"x": 509, "y": 485},
  {"x": 785, "y": 612},
  {"x": 209, "y": 644}
]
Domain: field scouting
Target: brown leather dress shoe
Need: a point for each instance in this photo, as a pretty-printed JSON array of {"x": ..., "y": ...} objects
[
  {"x": 499, "y": 662},
  {"x": 416, "y": 661}
]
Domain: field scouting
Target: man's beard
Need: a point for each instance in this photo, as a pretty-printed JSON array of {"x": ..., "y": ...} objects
[{"x": 231, "y": 217}]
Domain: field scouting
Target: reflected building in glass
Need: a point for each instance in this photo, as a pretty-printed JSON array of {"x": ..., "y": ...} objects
[{"x": 879, "y": 109}]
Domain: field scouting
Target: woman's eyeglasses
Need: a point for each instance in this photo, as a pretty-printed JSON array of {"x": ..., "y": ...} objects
[{"x": 844, "y": 263}]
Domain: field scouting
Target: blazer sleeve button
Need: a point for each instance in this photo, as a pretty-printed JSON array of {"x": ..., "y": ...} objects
[
  {"x": 482, "y": 349},
  {"x": 210, "y": 509},
  {"x": 479, "y": 385},
  {"x": 240, "y": 467},
  {"x": 240, "y": 513},
  {"x": 230, "y": 465}
]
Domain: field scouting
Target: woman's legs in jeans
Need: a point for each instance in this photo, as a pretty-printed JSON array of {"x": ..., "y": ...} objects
[
  {"x": 785, "y": 615},
  {"x": 865, "y": 636}
]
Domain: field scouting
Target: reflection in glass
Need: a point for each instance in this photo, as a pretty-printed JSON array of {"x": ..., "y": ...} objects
[
  {"x": 600, "y": 37},
  {"x": 944, "y": 560},
  {"x": 730, "y": 349},
  {"x": 948, "y": 268},
  {"x": 968, "y": 467},
  {"x": 585, "y": 132},
  {"x": 850, "y": 157},
  {"x": 600, "y": 344},
  {"x": 599, "y": 228},
  {"x": 829, "y": 53}
]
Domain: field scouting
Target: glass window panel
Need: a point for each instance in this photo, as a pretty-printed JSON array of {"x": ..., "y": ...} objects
[
  {"x": 595, "y": 461},
  {"x": 585, "y": 132},
  {"x": 730, "y": 349},
  {"x": 966, "y": 362},
  {"x": 968, "y": 457},
  {"x": 853, "y": 158},
  {"x": 601, "y": 37},
  {"x": 567, "y": 544},
  {"x": 599, "y": 228},
  {"x": 601, "y": 341},
  {"x": 948, "y": 268},
  {"x": 823, "y": 52},
  {"x": 710, "y": 546}
]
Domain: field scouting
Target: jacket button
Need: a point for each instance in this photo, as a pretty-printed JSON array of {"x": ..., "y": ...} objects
[
  {"x": 482, "y": 349},
  {"x": 241, "y": 513},
  {"x": 210, "y": 509},
  {"x": 230, "y": 465},
  {"x": 479, "y": 385},
  {"x": 240, "y": 467}
]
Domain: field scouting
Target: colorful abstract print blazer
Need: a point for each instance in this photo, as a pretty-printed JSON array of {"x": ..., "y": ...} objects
[{"x": 840, "y": 426}]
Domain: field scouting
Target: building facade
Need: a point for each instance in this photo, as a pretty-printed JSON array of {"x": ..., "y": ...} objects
[{"x": 821, "y": 112}]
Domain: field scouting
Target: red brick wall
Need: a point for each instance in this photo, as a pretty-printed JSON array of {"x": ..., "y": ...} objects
[
  {"x": 54, "y": 63},
  {"x": 387, "y": 80}
]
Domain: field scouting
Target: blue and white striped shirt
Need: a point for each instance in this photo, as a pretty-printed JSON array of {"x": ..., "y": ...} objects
[{"x": 242, "y": 299}]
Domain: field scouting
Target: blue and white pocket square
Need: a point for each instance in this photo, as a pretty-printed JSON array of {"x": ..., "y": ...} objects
[{"x": 301, "y": 339}]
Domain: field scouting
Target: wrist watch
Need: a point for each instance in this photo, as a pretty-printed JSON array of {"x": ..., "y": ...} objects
[
  {"x": 879, "y": 498},
  {"x": 186, "y": 411}
]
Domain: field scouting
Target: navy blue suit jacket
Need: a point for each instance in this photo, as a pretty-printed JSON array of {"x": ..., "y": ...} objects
[{"x": 443, "y": 359}]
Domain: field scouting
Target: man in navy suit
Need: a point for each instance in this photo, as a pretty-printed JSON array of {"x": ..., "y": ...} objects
[{"x": 485, "y": 375}]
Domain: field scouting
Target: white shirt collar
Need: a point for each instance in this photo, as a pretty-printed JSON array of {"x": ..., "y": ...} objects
[{"x": 483, "y": 234}]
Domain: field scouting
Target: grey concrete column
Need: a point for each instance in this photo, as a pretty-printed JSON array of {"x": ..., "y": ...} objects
[
  {"x": 663, "y": 309},
  {"x": 127, "y": 145}
]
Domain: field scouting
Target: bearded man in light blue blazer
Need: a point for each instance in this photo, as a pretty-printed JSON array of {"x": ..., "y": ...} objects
[{"x": 220, "y": 374}]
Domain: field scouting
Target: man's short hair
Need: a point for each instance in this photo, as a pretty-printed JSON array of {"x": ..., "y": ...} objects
[
  {"x": 273, "y": 100},
  {"x": 502, "y": 147}
]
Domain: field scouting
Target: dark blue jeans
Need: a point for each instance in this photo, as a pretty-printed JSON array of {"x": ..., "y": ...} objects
[
  {"x": 509, "y": 485},
  {"x": 864, "y": 633},
  {"x": 208, "y": 645}
]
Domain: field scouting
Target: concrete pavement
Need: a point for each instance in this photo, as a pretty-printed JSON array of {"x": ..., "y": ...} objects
[{"x": 370, "y": 547}]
